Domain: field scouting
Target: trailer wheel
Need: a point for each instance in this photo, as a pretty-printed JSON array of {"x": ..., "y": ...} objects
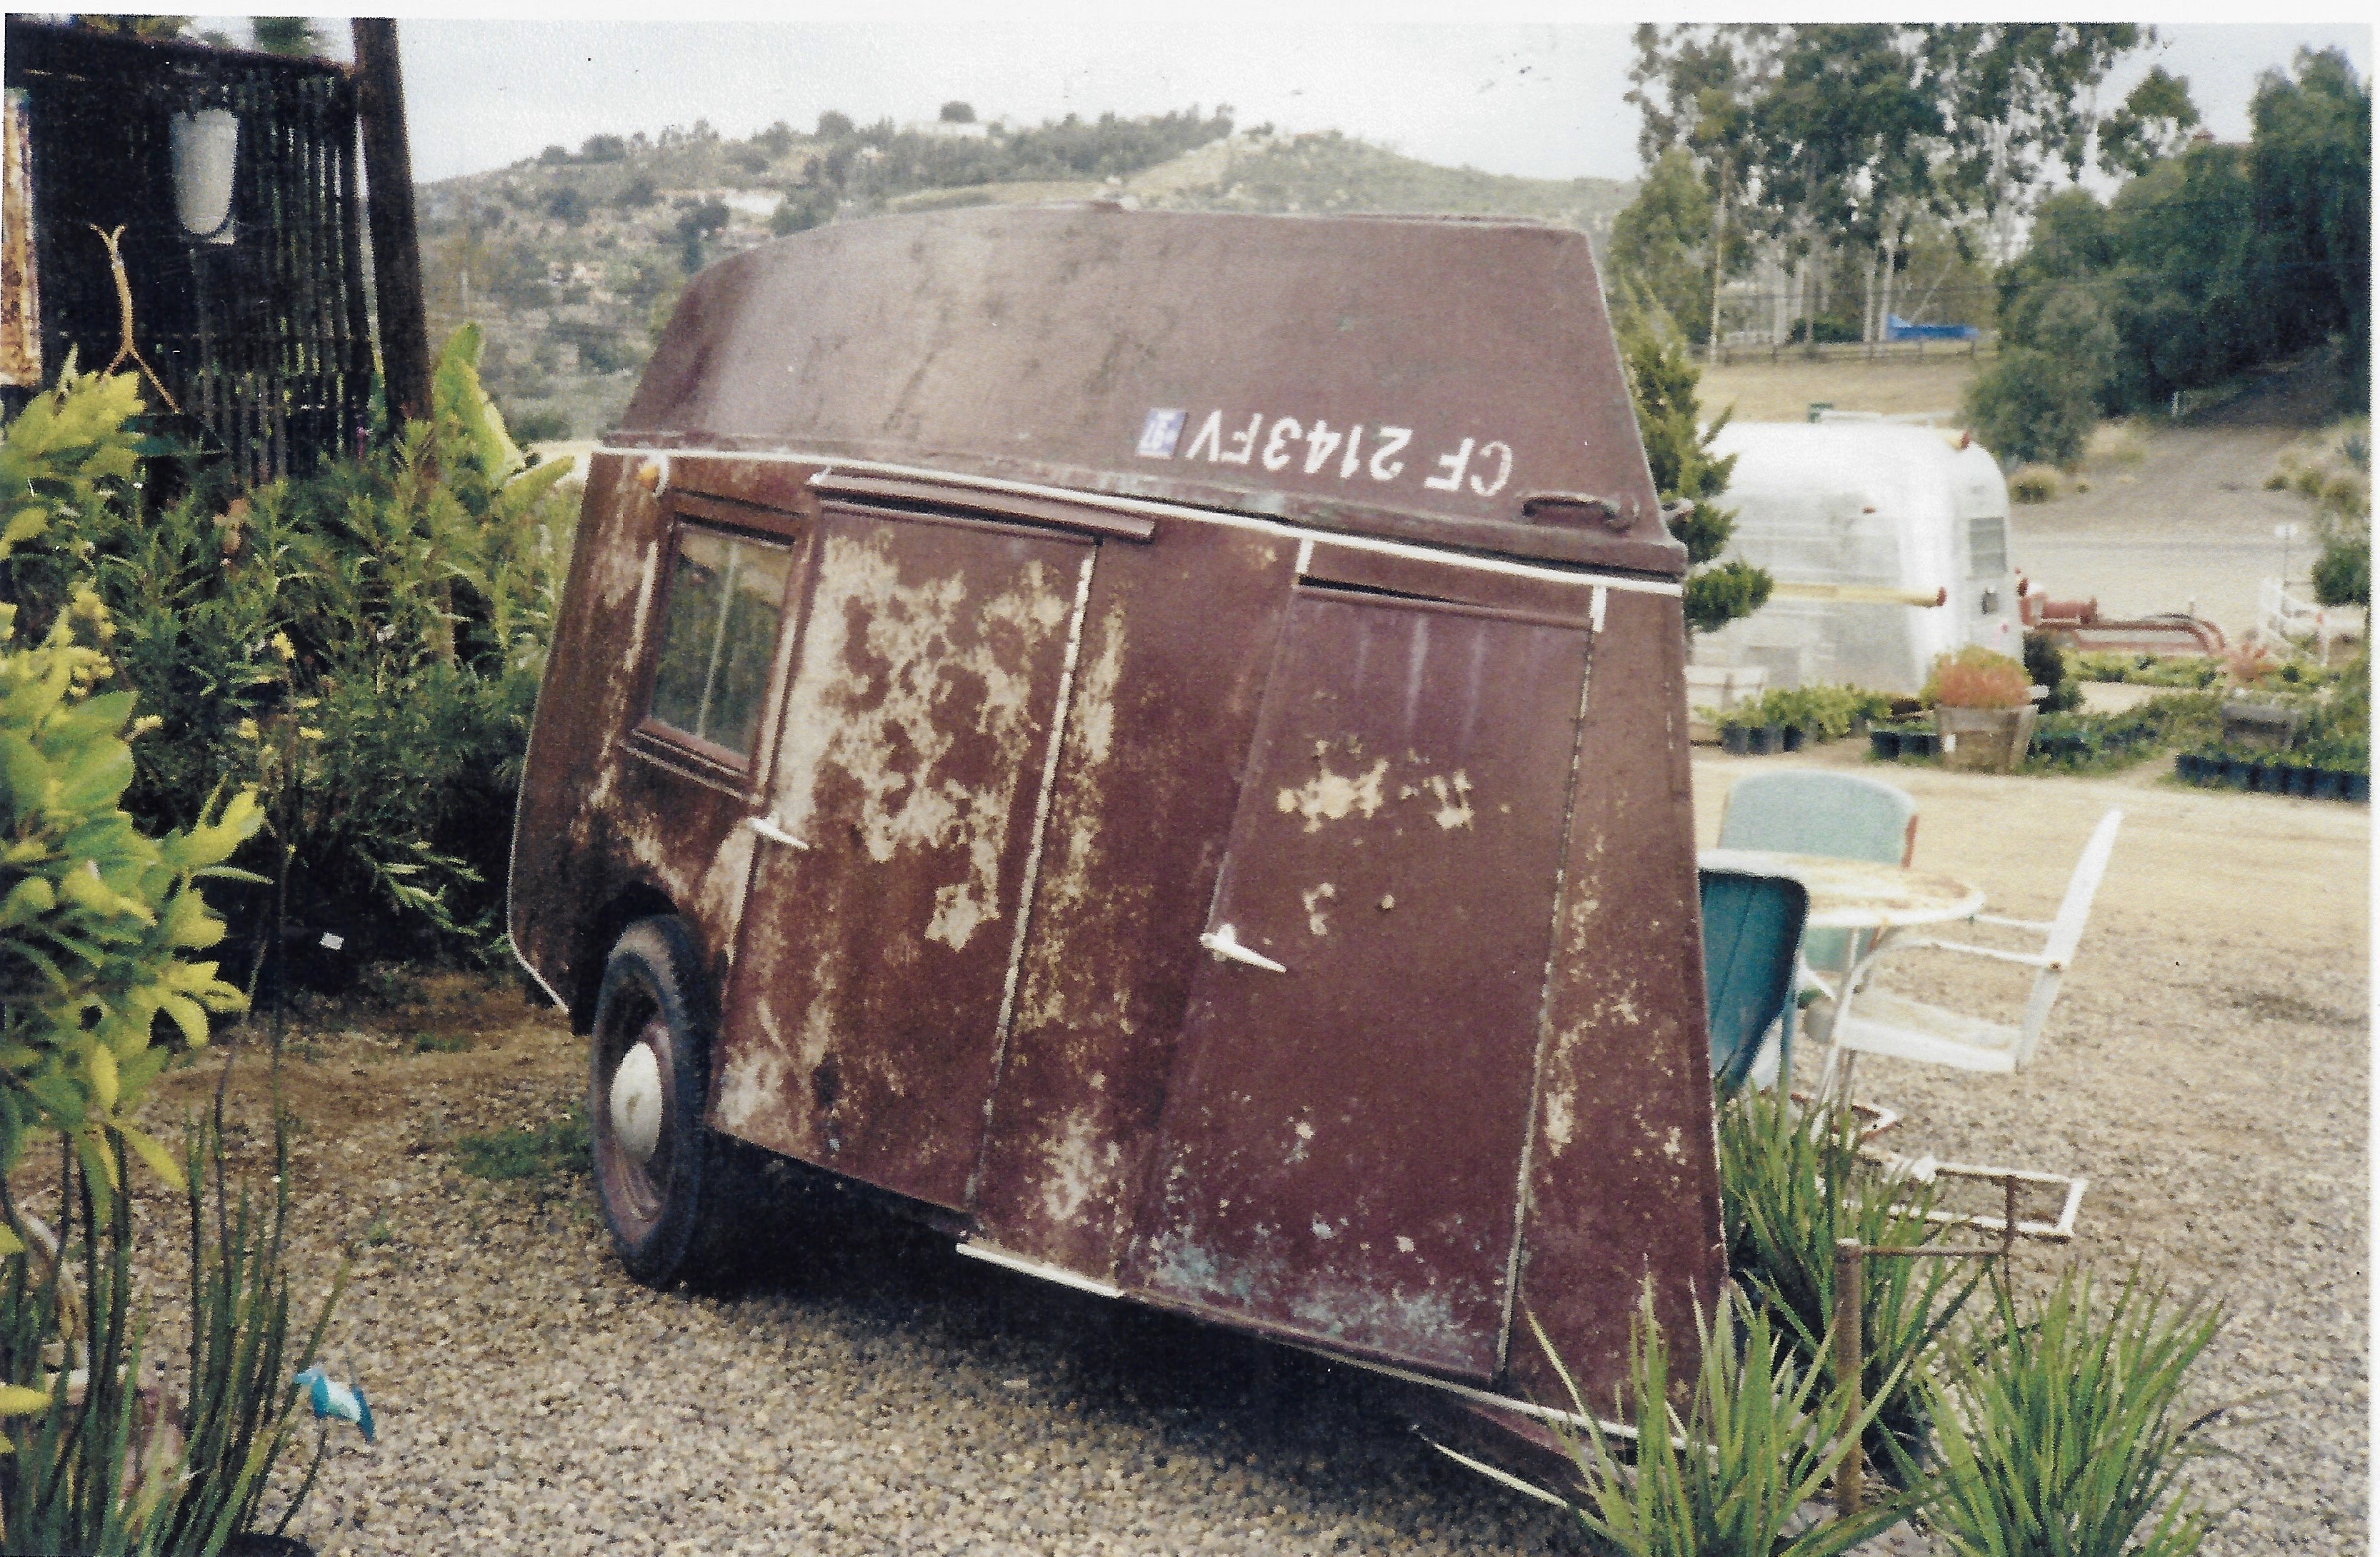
[{"x": 648, "y": 1071}]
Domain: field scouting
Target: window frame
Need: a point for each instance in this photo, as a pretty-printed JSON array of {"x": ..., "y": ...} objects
[{"x": 682, "y": 749}]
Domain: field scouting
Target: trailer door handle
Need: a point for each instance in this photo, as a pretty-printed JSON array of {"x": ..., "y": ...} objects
[
  {"x": 767, "y": 827},
  {"x": 1227, "y": 948}
]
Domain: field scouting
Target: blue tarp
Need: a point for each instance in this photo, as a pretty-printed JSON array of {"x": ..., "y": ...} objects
[{"x": 1898, "y": 329}]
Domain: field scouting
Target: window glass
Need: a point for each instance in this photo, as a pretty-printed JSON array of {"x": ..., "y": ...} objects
[
  {"x": 1986, "y": 547},
  {"x": 719, "y": 633}
]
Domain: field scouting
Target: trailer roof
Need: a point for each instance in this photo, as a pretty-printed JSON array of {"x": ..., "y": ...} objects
[{"x": 1428, "y": 379}]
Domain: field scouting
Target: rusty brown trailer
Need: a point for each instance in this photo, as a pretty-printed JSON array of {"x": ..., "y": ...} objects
[{"x": 1158, "y": 742}]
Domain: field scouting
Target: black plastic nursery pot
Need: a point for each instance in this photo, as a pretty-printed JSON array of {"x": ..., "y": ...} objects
[{"x": 1885, "y": 744}]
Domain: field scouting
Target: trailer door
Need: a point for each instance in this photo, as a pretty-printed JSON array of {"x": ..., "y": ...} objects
[
  {"x": 862, "y": 1022},
  {"x": 1342, "y": 1149}
]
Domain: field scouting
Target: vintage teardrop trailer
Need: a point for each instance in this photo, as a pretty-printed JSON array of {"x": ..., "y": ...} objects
[{"x": 1158, "y": 742}]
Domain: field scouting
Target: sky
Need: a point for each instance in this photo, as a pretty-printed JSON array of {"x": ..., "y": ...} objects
[{"x": 1536, "y": 99}]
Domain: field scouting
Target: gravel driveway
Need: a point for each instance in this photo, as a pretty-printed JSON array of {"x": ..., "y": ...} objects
[{"x": 866, "y": 1392}]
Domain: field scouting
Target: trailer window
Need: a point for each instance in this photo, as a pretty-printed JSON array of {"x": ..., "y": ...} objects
[
  {"x": 1986, "y": 547},
  {"x": 719, "y": 634}
]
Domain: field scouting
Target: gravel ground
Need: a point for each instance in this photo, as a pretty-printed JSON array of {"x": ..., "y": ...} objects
[{"x": 866, "y": 1392}]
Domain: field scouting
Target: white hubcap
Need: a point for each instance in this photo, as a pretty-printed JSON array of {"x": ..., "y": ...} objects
[{"x": 637, "y": 1102}]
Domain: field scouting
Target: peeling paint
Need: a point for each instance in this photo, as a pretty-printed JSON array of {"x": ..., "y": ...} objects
[
  {"x": 645, "y": 573},
  {"x": 1316, "y": 920},
  {"x": 1330, "y": 797},
  {"x": 1078, "y": 1166},
  {"x": 1674, "y": 1147},
  {"x": 1404, "y": 1245},
  {"x": 1095, "y": 704},
  {"x": 1453, "y": 800},
  {"x": 890, "y": 730},
  {"x": 1561, "y": 1118}
]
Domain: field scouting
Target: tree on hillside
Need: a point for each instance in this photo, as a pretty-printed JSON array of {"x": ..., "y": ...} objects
[
  {"x": 835, "y": 126},
  {"x": 2020, "y": 99},
  {"x": 2312, "y": 158},
  {"x": 1662, "y": 381},
  {"x": 1658, "y": 257},
  {"x": 957, "y": 113}
]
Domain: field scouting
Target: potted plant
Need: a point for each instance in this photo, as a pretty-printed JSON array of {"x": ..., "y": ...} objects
[{"x": 1983, "y": 709}]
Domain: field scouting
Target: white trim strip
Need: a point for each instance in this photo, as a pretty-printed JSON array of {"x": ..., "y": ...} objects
[
  {"x": 1180, "y": 511},
  {"x": 1501, "y": 1403},
  {"x": 992, "y": 1254}
]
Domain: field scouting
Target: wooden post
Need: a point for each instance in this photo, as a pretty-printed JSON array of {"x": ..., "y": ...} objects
[
  {"x": 396, "y": 245},
  {"x": 1851, "y": 1280}
]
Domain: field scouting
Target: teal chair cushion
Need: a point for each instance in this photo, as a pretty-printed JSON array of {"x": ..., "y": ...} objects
[{"x": 1750, "y": 928}]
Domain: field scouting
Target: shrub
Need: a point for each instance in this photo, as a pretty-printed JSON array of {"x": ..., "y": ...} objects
[
  {"x": 2063, "y": 1433},
  {"x": 1976, "y": 677},
  {"x": 362, "y": 646},
  {"x": 542, "y": 427},
  {"x": 2033, "y": 484},
  {"x": 2032, "y": 406},
  {"x": 2044, "y": 662},
  {"x": 1760, "y": 1436}
]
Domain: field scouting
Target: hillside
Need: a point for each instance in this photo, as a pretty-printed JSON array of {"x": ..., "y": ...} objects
[{"x": 570, "y": 260}]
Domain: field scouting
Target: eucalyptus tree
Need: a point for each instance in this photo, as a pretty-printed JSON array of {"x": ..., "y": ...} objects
[
  {"x": 1697, "y": 88},
  {"x": 1851, "y": 131}
]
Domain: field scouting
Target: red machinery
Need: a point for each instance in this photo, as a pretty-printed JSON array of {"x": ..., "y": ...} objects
[{"x": 2079, "y": 625}]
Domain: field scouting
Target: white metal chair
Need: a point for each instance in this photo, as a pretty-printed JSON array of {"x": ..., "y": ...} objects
[{"x": 1870, "y": 1021}]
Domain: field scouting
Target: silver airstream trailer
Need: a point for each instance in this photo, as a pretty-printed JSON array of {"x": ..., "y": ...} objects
[
  {"x": 1157, "y": 742},
  {"x": 1889, "y": 543}
]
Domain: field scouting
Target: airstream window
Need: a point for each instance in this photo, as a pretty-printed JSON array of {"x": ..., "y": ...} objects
[
  {"x": 1986, "y": 547},
  {"x": 719, "y": 633}
]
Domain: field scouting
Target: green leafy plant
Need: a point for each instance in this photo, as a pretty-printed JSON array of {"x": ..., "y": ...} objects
[
  {"x": 1790, "y": 1184},
  {"x": 1760, "y": 1436},
  {"x": 2063, "y": 1432},
  {"x": 2044, "y": 662},
  {"x": 362, "y": 647},
  {"x": 99, "y": 922}
]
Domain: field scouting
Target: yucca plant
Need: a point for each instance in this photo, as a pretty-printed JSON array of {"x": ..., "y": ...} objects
[
  {"x": 2063, "y": 1432},
  {"x": 1790, "y": 1184},
  {"x": 1731, "y": 1476},
  {"x": 242, "y": 1411}
]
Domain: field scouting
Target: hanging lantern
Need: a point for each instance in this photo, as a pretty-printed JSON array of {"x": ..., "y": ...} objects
[{"x": 206, "y": 147}]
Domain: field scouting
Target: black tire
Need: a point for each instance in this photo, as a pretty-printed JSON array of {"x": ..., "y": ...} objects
[{"x": 662, "y": 1210}]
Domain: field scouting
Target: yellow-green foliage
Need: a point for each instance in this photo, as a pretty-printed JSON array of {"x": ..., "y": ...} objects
[
  {"x": 64, "y": 450},
  {"x": 99, "y": 924}
]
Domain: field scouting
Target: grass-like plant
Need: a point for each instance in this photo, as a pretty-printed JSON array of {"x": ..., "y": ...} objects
[
  {"x": 242, "y": 1412},
  {"x": 2064, "y": 1433},
  {"x": 101, "y": 1463},
  {"x": 1792, "y": 1184},
  {"x": 557, "y": 1147},
  {"x": 1730, "y": 1477}
]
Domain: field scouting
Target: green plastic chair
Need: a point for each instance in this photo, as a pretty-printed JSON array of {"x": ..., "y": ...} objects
[
  {"x": 1841, "y": 816},
  {"x": 1752, "y": 928}
]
